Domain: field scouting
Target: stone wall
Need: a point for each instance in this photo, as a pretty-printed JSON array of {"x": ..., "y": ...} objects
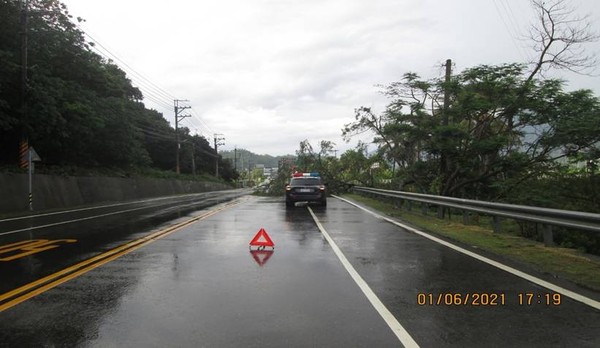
[{"x": 56, "y": 192}]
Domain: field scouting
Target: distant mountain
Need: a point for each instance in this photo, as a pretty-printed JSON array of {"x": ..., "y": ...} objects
[{"x": 247, "y": 158}]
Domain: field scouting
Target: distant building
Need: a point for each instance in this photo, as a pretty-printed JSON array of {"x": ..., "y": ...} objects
[{"x": 270, "y": 172}]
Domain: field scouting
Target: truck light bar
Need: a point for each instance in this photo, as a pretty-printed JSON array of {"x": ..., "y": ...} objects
[{"x": 311, "y": 174}]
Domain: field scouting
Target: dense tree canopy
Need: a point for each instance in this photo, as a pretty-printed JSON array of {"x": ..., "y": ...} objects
[
  {"x": 497, "y": 133},
  {"x": 79, "y": 109},
  {"x": 493, "y": 134},
  {"x": 488, "y": 129}
]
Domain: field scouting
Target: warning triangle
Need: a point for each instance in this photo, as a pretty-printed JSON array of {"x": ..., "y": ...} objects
[
  {"x": 261, "y": 256},
  {"x": 262, "y": 239}
]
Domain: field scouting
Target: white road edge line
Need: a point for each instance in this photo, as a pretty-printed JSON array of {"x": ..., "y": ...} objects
[
  {"x": 84, "y": 209},
  {"x": 69, "y": 221},
  {"x": 571, "y": 294},
  {"x": 105, "y": 206},
  {"x": 27, "y": 229},
  {"x": 389, "y": 318}
]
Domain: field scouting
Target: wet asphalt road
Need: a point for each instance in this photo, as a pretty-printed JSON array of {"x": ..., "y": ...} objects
[
  {"x": 200, "y": 285},
  {"x": 81, "y": 233}
]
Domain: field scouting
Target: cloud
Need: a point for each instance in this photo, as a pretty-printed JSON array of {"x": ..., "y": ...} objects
[
  {"x": 271, "y": 73},
  {"x": 301, "y": 74}
]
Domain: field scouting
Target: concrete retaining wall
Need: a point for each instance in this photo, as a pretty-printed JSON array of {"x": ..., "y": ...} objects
[{"x": 55, "y": 192}]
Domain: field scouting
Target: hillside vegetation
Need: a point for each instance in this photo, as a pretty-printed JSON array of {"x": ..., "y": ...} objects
[{"x": 78, "y": 109}]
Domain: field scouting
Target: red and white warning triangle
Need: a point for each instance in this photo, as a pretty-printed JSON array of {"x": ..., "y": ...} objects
[
  {"x": 262, "y": 239},
  {"x": 261, "y": 256}
]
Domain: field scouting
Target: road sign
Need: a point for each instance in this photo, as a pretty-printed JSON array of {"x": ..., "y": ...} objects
[
  {"x": 262, "y": 239},
  {"x": 34, "y": 156}
]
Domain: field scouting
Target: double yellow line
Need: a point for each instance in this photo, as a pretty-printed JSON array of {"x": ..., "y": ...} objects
[{"x": 25, "y": 292}]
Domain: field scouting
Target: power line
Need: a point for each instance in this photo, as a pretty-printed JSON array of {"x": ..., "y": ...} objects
[
  {"x": 148, "y": 92},
  {"x": 154, "y": 136},
  {"x": 151, "y": 91},
  {"x": 510, "y": 29},
  {"x": 512, "y": 16},
  {"x": 163, "y": 135},
  {"x": 158, "y": 90},
  {"x": 147, "y": 89},
  {"x": 208, "y": 128},
  {"x": 202, "y": 124}
]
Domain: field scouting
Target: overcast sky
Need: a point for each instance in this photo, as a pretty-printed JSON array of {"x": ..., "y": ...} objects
[{"x": 268, "y": 74}]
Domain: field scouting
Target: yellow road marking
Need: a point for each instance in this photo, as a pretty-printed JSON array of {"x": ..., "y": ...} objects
[
  {"x": 30, "y": 247},
  {"x": 5, "y": 248},
  {"x": 37, "y": 287}
]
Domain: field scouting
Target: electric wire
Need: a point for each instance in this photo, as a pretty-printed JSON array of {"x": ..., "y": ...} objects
[
  {"x": 508, "y": 27},
  {"x": 512, "y": 16},
  {"x": 162, "y": 135},
  {"x": 150, "y": 85},
  {"x": 208, "y": 128},
  {"x": 151, "y": 91},
  {"x": 148, "y": 93},
  {"x": 156, "y": 136}
]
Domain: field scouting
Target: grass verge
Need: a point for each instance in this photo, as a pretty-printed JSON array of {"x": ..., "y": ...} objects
[{"x": 572, "y": 265}]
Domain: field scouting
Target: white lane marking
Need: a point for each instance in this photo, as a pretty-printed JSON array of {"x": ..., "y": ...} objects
[
  {"x": 77, "y": 220},
  {"x": 70, "y": 221},
  {"x": 389, "y": 318},
  {"x": 571, "y": 294},
  {"x": 104, "y": 206}
]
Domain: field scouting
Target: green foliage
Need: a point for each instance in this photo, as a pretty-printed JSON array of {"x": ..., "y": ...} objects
[
  {"x": 81, "y": 110},
  {"x": 504, "y": 136},
  {"x": 354, "y": 166},
  {"x": 277, "y": 186},
  {"x": 339, "y": 174},
  {"x": 500, "y": 126}
]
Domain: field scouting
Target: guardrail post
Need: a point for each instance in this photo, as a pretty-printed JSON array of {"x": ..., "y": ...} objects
[
  {"x": 440, "y": 212},
  {"x": 472, "y": 210},
  {"x": 548, "y": 237},
  {"x": 497, "y": 224}
]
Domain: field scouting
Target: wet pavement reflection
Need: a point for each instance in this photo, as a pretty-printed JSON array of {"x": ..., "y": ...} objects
[
  {"x": 402, "y": 267},
  {"x": 202, "y": 285},
  {"x": 80, "y": 234}
]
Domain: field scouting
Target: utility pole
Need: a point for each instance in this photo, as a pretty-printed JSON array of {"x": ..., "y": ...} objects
[
  {"x": 235, "y": 158},
  {"x": 24, "y": 142},
  {"x": 193, "y": 159},
  {"x": 25, "y": 155},
  {"x": 445, "y": 120},
  {"x": 178, "y": 110},
  {"x": 218, "y": 142},
  {"x": 446, "y": 94}
]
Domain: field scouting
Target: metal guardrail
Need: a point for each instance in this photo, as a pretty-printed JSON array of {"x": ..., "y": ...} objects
[{"x": 545, "y": 216}]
